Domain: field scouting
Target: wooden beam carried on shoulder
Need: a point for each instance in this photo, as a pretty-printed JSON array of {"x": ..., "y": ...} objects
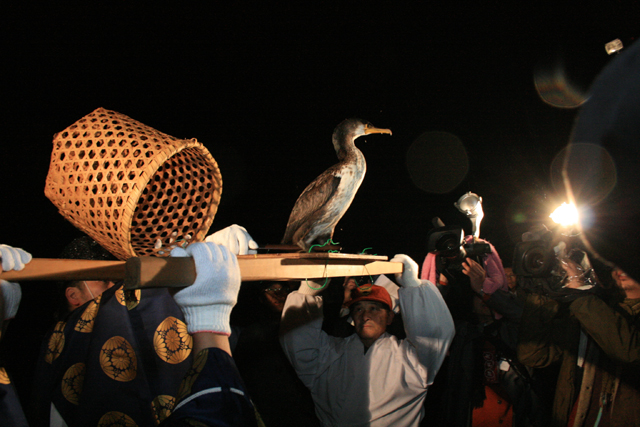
[{"x": 148, "y": 272}]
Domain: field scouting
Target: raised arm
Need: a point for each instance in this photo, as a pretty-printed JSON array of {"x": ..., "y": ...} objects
[
  {"x": 616, "y": 332},
  {"x": 301, "y": 334},
  {"x": 427, "y": 319},
  {"x": 212, "y": 392}
]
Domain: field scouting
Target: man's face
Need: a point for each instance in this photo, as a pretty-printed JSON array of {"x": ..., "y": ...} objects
[
  {"x": 511, "y": 278},
  {"x": 86, "y": 291},
  {"x": 630, "y": 287},
  {"x": 276, "y": 295},
  {"x": 371, "y": 319}
]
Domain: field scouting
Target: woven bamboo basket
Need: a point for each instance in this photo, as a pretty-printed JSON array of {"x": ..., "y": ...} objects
[{"x": 133, "y": 189}]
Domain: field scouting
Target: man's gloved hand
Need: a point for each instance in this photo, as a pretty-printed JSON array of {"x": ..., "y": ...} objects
[
  {"x": 409, "y": 276},
  {"x": 207, "y": 303},
  {"x": 13, "y": 258},
  {"x": 236, "y": 238},
  {"x": 311, "y": 287}
]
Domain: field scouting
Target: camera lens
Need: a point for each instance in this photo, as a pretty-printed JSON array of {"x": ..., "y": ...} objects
[
  {"x": 448, "y": 244},
  {"x": 534, "y": 261}
]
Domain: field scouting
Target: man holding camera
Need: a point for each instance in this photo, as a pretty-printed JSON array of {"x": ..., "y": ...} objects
[
  {"x": 467, "y": 280},
  {"x": 600, "y": 172},
  {"x": 597, "y": 345}
]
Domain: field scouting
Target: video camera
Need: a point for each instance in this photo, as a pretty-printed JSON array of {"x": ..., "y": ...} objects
[
  {"x": 539, "y": 257},
  {"x": 536, "y": 261},
  {"x": 449, "y": 244}
]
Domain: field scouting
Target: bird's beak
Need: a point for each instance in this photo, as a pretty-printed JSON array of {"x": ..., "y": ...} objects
[{"x": 370, "y": 129}]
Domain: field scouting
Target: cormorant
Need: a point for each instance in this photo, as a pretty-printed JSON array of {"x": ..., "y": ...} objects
[{"x": 323, "y": 203}]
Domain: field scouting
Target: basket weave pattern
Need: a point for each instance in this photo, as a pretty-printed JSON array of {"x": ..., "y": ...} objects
[{"x": 133, "y": 189}]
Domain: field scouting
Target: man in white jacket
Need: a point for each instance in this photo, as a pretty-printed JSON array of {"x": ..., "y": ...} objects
[{"x": 370, "y": 378}]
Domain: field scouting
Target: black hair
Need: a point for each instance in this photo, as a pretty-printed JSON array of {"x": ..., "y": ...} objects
[{"x": 83, "y": 247}]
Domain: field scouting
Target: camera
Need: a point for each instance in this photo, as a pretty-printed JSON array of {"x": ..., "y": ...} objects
[
  {"x": 536, "y": 263},
  {"x": 534, "y": 259},
  {"x": 448, "y": 243},
  {"x": 539, "y": 257}
]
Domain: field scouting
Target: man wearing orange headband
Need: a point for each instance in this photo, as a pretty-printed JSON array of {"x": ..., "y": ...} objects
[{"x": 371, "y": 377}]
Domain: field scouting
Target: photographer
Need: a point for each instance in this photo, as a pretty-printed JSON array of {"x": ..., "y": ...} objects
[
  {"x": 597, "y": 345},
  {"x": 473, "y": 277},
  {"x": 473, "y": 392}
]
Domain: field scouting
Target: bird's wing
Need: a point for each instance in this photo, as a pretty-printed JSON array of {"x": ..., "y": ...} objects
[{"x": 312, "y": 199}]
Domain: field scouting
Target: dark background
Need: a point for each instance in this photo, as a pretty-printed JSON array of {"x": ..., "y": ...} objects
[{"x": 263, "y": 84}]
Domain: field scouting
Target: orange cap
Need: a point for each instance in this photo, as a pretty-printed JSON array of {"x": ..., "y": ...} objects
[{"x": 369, "y": 292}]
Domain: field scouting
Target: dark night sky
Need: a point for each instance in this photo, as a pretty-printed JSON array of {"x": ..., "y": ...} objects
[{"x": 262, "y": 85}]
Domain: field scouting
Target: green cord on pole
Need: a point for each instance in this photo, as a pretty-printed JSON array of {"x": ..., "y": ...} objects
[
  {"x": 330, "y": 241},
  {"x": 320, "y": 288}
]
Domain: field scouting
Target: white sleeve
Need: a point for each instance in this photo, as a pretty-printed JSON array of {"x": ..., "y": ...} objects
[
  {"x": 56, "y": 419},
  {"x": 428, "y": 324},
  {"x": 302, "y": 337}
]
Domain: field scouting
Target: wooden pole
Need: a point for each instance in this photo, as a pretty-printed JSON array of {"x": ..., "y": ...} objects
[
  {"x": 66, "y": 269},
  {"x": 147, "y": 272}
]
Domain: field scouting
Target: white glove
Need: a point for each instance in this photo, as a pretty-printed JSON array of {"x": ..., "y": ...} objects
[
  {"x": 13, "y": 258},
  {"x": 236, "y": 238},
  {"x": 208, "y": 302},
  {"x": 11, "y": 294},
  {"x": 310, "y": 287},
  {"x": 409, "y": 276}
]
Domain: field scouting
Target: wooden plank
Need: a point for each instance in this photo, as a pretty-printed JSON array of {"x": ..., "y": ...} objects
[
  {"x": 320, "y": 255},
  {"x": 178, "y": 272},
  {"x": 315, "y": 267},
  {"x": 66, "y": 269}
]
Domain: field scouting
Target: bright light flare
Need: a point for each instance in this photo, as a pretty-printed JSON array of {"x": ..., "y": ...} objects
[{"x": 565, "y": 215}]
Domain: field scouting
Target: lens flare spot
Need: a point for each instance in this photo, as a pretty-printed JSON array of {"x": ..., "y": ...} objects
[
  {"x": 556, "y": 89},
  {"x": 592, "y": 171},
  {"x": 519, "y": 218},
  {"x": 565, "y": 70},
  {"x": 437, "y": 162}
]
